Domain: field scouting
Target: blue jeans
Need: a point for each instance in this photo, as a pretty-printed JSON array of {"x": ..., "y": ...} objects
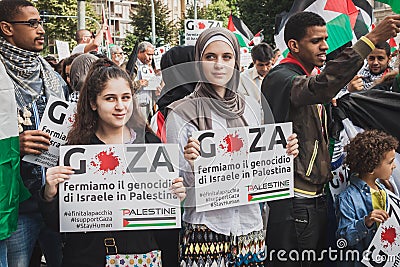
[
  {"x": 30, "y": 229},
  {"x": 3, "y": 253}
]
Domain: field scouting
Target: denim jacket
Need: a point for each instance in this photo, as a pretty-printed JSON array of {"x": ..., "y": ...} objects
[{"x": 352, "y": 206}]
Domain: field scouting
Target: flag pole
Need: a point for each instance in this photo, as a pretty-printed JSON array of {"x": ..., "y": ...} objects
[
  {"x": 195, "y": 9},
  {"x": 81, "y": 14},
  {"x": 153, "y": 23},
  {"x": 104, "y": 20}
]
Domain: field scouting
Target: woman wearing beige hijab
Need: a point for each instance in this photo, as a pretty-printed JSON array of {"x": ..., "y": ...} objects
[{"x": 229, "y": 236}]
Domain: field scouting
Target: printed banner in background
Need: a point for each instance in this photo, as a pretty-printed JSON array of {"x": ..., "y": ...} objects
[
  {"x": 244, "y": 165},
  {"x": 158, "y": 53},
  {"x": 119, "y": 187},
  {"x": 153, "y": 80},
  {"x": 194, "y": 27},
  {"x": 245, "y": 57}
]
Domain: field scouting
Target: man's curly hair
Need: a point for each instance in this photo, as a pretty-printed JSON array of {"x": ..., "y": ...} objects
[{"x": 367, "y": 150}]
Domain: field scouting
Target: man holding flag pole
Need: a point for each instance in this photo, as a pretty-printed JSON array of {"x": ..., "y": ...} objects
[{"x": 87, "y": 42}]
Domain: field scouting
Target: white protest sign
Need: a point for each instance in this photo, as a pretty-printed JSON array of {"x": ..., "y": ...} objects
[
  {"x": 245, "y": 165},
  {"x": 119, "y": 187},
  {"x": 193, "y": 28},
  {"x": 62, "y": 49},
  {"x": 384, "y": 250},
  {"x": 158, "y": 52},
  {"x": 57, "y": 120},
  {"x": 245, "y": 57},
  {"x": 153, "y": 80}
]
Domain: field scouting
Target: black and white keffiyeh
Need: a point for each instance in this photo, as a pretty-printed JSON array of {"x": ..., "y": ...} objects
[
  {"x": 30, "y": 74},
  {"x": 369, "y": 78}
]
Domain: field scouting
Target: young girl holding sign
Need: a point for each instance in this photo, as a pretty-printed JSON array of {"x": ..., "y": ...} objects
[
  {"x": 105, "y": 105},
  {"x": 229, "y": 236},
  {"x": 362, "y": 206}
]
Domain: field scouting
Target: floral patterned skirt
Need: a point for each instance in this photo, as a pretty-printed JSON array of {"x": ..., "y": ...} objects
[{"x": 201, "y": 247}]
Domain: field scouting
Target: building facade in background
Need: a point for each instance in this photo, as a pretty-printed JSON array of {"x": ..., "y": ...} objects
[
  {"x": 382, "y": 10},
  {"x": 118, "y": 16}
]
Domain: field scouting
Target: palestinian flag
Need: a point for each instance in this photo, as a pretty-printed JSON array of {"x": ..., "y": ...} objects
[
  {"x": 268, "y": 194},
  {"x": 347, "y": 20},
  {"x": 109, "y": 39},
  {"x": 12, "y": 190},
  {"x": 256, "y": 39},
  {"x": 243, "y": 34},
  {"x": 394, "y": 4},
  {"x": 156, "y": 222},
  {"x": 372, "y": 109},
  {"x": 393, "y": 45}
]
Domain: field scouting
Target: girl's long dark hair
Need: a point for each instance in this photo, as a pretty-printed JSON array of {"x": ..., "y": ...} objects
[{"x": 85, "y": 125}]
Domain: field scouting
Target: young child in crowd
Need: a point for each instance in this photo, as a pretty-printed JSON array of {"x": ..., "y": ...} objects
[{"x": 362, "y": 206}]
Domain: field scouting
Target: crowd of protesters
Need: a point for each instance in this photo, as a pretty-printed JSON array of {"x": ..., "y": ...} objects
[{"x": 202, "y": 88}]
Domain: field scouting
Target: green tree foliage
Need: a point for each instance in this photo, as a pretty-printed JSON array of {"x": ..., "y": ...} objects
[
  {"x": 64, "y": 28},
  {"x": 141, "y": 22},
  {"x": 201, "y": 13},
  {"x": 260, "y": 15},
  {"x": 129, "y": 43},
  {"x": 219, "y": 10}
]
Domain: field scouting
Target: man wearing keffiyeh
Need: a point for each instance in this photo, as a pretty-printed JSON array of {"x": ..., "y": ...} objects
[
  {"x": 376, "y": 67},
  {"x": 33, "y": 81}
]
